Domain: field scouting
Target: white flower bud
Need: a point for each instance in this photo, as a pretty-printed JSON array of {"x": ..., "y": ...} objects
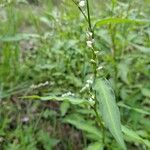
[
  {"x": 89, "y": 43},
  {"x": 93, "y": 61},
  {"x": 89, "y": 35},
  {"x": 99, "y": 68},
  {"x": 92, "y": 102},
  {"x": 67, "y": 94},
  {"x": 82, "y": 3}
]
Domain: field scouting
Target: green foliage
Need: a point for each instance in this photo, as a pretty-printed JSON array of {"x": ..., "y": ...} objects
[
  {"x": 47, "y": 99},
  {"x": 109, "y": 109}
]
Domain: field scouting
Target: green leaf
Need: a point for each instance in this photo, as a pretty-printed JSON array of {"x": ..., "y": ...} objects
[
  {"x": 114, "y": 3},
  {"x": 83, "y": 125},
  {"x": 47, "y": 142},
  {"x": 95, "y": 146},
  {"x": 134, "y": 136},
  {"x": 142, "y": 48},
  {"x": 18, "y": 37},
  {"x": 133, "y": 108},
  {"x": 119, "y": 21},
  {"x": 64, "y": 108},
  {"x": 72, "y": 100},
  {"x": 109, "y": 109},
  {"x": 123, "y": 70}
]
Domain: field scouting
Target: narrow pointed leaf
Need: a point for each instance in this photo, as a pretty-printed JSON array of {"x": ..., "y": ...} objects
[
  {"x": 133, "y": 136},
  {"x": 119, "y": 21},
  {"x": 109, "y": 109},
  {"x": 70, "y": 99}
]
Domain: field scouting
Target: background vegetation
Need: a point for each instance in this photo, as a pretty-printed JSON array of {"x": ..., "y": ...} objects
[{"x": 43, "y": 54}]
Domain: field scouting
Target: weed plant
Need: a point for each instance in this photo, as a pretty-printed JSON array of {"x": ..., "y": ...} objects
[{"x": 74, "y": 74}]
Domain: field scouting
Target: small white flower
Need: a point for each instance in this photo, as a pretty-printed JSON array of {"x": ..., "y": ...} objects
[
  {"x": 90, "y": 43},
  {"x": 25, "y": 119},
  {"x": 99, "y": 68},
  {"x": 96, "y": 52},
  {"x": 85, "y": 87},
  {"x": 89, "y": 34},
  {"x": 93, "y": 61},
  {"x": 92, "y": 102},
  {"x": 82, "y": 3},
  {"x": 89, "y": 81}
]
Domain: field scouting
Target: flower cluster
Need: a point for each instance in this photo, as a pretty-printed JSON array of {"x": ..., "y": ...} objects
[
  {"x": 90, "y": 40},
  {"x": 67, "y": 94},
  {"x": 39, "y": 85},
  {"x": 89, "y": 82},
  {"x": 91, "y": 101}
]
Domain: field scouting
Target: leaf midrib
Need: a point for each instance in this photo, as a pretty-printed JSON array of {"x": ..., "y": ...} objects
[{"x": 107, "y": 105}]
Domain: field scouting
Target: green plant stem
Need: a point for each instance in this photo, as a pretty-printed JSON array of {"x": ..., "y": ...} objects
[
  {"x": 101, "y": 124},
  {"x": 94, "y": 64},
  {"x": 94, "y": 57},
  {"x": 89, "y": 18},
  {"x": 80, "y": 10}
]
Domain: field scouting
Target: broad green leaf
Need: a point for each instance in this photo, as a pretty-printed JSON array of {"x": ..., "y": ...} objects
[
  {"x": 119, "y": 21},
  {"x": 134, "y": 136},
  {"x": 72, "y": 100},
  {"x": 133, "y": 108},
  {"x": 95, "y": 146},
  {"x": 83, "y": 125},
  {"x": 109, "y": 109}
]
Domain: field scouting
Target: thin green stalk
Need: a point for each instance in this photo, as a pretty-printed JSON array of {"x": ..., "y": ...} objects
[
  {"x": 95, "y": 73},
  {"x": 80, "y": 10},
  {"x": 89, "y": 18},
  {"x": 101, "y": 124},
  {"x": 94, "y": 63}
]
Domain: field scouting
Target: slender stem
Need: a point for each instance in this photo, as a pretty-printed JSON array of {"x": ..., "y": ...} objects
[
  {"x": 86, "y": 18},
  {"x": 94, "y": 57},
  {"x": 100, "y": 121},
  {"x": 89, "y": 18},
  {"x": 95, "y": 74},
  {"x": 94, "y": 64},
  {"x": 101, "y": 124}
]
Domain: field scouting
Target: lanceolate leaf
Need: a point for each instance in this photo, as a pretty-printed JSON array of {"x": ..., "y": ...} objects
[
  {"x": 133, "y": 136},
  {"x": 109, "y": 109},
  {"x": 70, "y": 99},
  {"x": 141, "y": 111},
  {"x": 119, "y": 20}
]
